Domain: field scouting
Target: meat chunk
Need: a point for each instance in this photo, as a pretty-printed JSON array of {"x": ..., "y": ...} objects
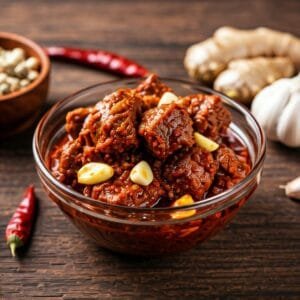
[
  {"x": 232, "y": 170},
  {"x": 68, "y": 156},
  {"x": 66, "y": 160},
  {"x": 191, "y": 172},
  {"x": 151, "y": 91},
  {"x": 75, "y": 119},
  {"x": 209, "y": 115},
  {"x": 111, "y": 126},
  {"x": 231, "y": 164},
  {"x": 120, "y": 190},
  {"x": 166, "y": 129}
]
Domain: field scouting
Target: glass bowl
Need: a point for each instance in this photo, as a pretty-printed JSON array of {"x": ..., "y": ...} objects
[{"x": 147, "y": 231}]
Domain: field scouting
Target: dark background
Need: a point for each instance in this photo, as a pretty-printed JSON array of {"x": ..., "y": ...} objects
[{"x": 257, "y": 256}]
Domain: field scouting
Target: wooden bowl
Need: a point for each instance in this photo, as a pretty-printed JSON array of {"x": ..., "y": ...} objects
[{"x": 19, "y": 109}]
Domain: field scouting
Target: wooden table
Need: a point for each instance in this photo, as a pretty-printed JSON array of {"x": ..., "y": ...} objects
[{"x": 257, "y": 256}]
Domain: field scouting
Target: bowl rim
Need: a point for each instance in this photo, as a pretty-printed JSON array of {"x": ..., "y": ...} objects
[
  {"x": 43, "y": 58},
  {"x": 198, "y": 204}
]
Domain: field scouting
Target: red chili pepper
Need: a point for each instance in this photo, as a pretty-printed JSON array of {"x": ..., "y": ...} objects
[
  {"x": 99, "y": 59},
  {"x": 19, "y": 227}
]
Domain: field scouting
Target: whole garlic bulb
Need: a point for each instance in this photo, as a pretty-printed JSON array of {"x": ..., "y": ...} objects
[{"x": 277, "y": 109}]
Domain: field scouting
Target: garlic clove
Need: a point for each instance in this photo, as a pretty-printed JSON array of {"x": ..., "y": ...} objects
[
  {"x": 167, "y": 98},
  {"x": 94, "y": 173},
  {"x": 32, "y": 63},
  {"x": 288, "y": 128},
  {"x": 4, "y": 88},
  {"x": 3, "y": 77},
  {"x": 292, "y": 189},
  {"x": 14, "y": 83},
  {"x": 205, "y": 143},
  {"x": 183, "y": 201},
  {"x": 269, "y": 104},
  {"x": 15, "y": 56},
  {"x": 142, "y": 174},
  {"x": 295, "y": 84},
  {"x": 24, "y": 82},
  {"x": 21, "y": 70},
  {"x": 32, "y": 75}
]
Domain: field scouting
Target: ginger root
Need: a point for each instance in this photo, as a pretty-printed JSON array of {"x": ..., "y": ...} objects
[
  {"x": 206, "y": 60},
  {"x": 244, "y": 78}
]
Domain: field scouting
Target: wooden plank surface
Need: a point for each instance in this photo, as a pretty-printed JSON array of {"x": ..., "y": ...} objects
[{"x": 257, "y": 256}]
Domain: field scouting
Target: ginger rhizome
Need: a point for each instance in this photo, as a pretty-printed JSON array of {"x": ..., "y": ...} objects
[{"x": 207, "y": 60}]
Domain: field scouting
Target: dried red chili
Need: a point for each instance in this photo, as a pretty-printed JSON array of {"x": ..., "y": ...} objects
[
  {"x": 99, "y": 59},
  {"x": 19, "y": 227}
]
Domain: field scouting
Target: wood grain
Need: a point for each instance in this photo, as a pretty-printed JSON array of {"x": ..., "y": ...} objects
[{"x": 256, "y": 257}]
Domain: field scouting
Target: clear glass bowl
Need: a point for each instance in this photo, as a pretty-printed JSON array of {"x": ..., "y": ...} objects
[{"x": 147, "y": 231}]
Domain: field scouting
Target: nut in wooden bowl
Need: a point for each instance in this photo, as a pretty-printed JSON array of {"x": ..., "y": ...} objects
[{"x": 20, "y": 106}]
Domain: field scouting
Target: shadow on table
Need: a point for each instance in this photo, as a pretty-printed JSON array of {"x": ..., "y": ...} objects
[
  {"x": 293, "y": 153},
  {"x": 155, "y": 277}
]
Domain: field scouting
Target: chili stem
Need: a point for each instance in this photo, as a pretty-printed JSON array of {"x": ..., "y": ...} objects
[{"x": 13, "y": 247}]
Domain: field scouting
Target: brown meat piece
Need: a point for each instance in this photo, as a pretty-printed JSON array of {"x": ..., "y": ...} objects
[
  {"x": 231, "y": 164},
  {"x": 232, "y": 170},
  {"x": 120, "y": 190},
  {"x": 209, "y": 115},
  {"x": 66, "y": 161},
  {"x": 75, "y": 119},
  {"x": 151, "y": 90},
  {"x": 111, "y": 126},
  {"x": 191, "y": 172},
  {"x": 166, "y": 129}
]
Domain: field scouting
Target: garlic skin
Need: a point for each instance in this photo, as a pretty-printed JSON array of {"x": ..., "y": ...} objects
[
  {"x": 292, "y": 189},
  {"x": 267, "y": 114},
  {"x": 277, "y": 109},
  {"x": 288, "y": 128}
]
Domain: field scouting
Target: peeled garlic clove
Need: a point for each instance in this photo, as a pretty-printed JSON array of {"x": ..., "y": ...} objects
[
  {"x": 141, "y": 174},
  {"x": 9, "y": 70},
  {"x": 205, "y": 143},
  {"x": 292, "y": 189},
  {"x": 167, "y": 98},
  {"x": 21, "y": 70},
  {"x": 14, "y": 83},
  {"x": 24, "y": 82},
  {"x": 15, "y": 56},
  {"x": 32, "y": 63},
  {"x": 32, "y": 75},
  {"x": 4, "y": 88},
  {"x": 3, "y": 77},
  {"x": 183, "y": 201},
  {"x": 94, "y": 173},
  {"x": 2, "y": 64}
]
